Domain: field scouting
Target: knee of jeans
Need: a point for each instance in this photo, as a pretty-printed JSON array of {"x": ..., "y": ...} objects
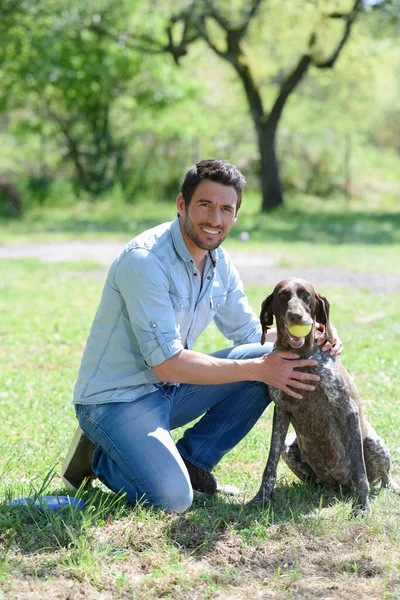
[
  {"x": 178, "y": 500},
  {"x": 258, "y": 394},
  {"x": 172, "y": 500}
]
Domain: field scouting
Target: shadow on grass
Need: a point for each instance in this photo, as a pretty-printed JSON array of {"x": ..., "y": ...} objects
[
  {"x": 286, "y": 225},
  {"x": 213, "y": 517},
  {"x": 201, "y": 530},
  {"x": 45, "y": 530},
  {"x": 338, "y": 228}
]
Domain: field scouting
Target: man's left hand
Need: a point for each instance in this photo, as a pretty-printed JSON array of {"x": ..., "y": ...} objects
[{"x": 334, "y": 346}]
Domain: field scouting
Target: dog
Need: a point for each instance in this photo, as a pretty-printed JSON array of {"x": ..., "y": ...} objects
[{"x": 333, "y": 444}]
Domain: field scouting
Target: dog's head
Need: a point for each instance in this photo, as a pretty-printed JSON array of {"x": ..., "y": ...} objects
[{"x": 294, "y": 302}]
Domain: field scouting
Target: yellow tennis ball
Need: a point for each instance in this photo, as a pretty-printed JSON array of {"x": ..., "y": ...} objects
[{"x": 299, "y": 330}]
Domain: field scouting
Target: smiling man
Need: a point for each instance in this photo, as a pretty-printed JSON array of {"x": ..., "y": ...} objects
[{"x": 140, "y": 377}]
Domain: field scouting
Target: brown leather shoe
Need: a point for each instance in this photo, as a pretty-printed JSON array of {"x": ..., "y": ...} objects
[
  {"x": 77, "y": 466},
  {"x": 204, "y": 482}
]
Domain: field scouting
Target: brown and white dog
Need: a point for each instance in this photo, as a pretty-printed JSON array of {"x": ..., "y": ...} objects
[{"x": 334, "y": 443}]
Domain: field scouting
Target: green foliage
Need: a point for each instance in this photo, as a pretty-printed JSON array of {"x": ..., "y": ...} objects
[
  {"x": 90, "y": 95},
  {"x": 81, "y": 89}
]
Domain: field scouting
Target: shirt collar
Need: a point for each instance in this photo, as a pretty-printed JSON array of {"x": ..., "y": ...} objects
[{"x": 180, "y": 246}]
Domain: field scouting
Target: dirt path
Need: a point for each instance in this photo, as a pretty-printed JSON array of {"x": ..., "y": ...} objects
[{"x": 254, "y": 268}]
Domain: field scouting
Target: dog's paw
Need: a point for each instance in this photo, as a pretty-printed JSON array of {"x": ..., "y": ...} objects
[
  {"x": 261, "y": 499},
  {"x": 361, "y": 510}
]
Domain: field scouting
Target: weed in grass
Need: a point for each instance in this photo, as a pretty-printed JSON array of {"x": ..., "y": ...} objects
[
  {"x": 123, "y": 586},
  {"x": 82, "y": 559}
]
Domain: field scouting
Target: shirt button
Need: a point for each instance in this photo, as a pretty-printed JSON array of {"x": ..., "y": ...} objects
[
  {"x": 208, "y": 277},
  {"x": 217, "y": 304},
  {"x": 154, "y": 325},
  {"x": 181, "y": 306},
  {"x": 195, "y": 274}
]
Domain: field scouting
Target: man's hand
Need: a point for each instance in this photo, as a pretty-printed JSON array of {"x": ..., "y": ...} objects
[
  {"x": 277, "y": 369},
  {"x": 280, "y": 372},
  {"x": 335, "y": 347}
]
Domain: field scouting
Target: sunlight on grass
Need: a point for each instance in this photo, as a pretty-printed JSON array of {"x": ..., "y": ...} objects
[{"x": 304, "y": 540}]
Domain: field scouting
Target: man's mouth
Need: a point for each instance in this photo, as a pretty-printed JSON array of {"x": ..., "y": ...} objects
[{"x": 210, "y": 231}]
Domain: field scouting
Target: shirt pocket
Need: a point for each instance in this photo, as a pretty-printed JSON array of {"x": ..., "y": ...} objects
[
  {"x": 217, "y": 301},
  {"x": 182, "y": 307}
]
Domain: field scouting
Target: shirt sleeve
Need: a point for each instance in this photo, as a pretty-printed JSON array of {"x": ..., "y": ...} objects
[
  {"x": 143, "y": 281},
  {"x": 236, "y": 319}
]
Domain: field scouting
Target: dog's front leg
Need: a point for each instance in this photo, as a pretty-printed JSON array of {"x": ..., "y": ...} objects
[
  {"x": 279, "y": 430},
  {"x": 359, "y": 477}
]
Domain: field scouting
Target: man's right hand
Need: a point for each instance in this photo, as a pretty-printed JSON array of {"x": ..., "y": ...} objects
[
  {"x": 276, "y": 368},
  {"x": 279, "y": 371}
]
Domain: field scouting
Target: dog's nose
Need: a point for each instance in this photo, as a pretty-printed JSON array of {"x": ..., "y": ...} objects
[{"x": 295, "y": 316}]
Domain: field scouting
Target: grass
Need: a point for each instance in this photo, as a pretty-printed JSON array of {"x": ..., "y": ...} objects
[
  {"x": 370, "y": 235},
  {"x": 304, "y": 544}
]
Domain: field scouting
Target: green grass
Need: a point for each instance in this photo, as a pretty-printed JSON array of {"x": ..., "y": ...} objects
[
  {"x": 366, "y": 238},
  {"x": 305, "y": 544}
]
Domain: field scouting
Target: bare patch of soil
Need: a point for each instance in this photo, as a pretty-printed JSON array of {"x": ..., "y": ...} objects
[
  {"x": 288, "y": 565},
  {"x": 254, "y": 268}
]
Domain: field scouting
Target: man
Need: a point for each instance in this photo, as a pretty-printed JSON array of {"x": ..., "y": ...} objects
[{"x": 139, "y": 376}]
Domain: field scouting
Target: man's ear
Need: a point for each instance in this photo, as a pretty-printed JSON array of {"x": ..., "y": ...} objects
[{"x": 180, "y": 204}]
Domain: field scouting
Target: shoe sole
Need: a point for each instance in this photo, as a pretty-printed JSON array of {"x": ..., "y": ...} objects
[
  {"x": 222, "y": 488},
  {"x": 229, "y": 490},
  {"x": 77, "y": 462}
]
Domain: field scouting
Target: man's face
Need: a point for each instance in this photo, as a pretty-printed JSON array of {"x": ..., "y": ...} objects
[{"x": 210, "y": 215}]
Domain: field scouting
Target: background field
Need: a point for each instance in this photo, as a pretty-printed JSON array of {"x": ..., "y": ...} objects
[
  {"x": 104, "y": 105},
  {"x": 305, "y": 544}
]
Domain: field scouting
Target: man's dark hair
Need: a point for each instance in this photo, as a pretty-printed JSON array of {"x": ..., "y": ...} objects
[{"x": 219, "y": 171}]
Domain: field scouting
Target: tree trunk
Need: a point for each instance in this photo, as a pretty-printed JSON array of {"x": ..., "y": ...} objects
[
  {"x": 269, "y": 176},
  {"x": 272, "y": 196},
  {"x": 265, "y": 127}
]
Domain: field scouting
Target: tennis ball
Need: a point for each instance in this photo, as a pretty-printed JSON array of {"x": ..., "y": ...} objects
[{"x": 299, "y": 330}]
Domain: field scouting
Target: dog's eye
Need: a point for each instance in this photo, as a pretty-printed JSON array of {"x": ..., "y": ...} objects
[
  {"x": 305, "y": 296},
  {"x": 284, "y": 296}
]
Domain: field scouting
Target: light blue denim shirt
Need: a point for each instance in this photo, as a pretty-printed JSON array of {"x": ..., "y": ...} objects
[{"x": 153, "y": 305}]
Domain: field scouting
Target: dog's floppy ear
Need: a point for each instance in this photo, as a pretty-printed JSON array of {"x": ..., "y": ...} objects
[
  {"x": 322, "y": 314},
  {"x": 266, "y": 316}
]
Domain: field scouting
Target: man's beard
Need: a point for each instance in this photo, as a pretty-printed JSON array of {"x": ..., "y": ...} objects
[{"x": 190, "y": 230}]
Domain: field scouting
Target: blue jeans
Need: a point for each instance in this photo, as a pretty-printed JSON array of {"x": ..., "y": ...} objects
[{"x": 135, "y": 452}]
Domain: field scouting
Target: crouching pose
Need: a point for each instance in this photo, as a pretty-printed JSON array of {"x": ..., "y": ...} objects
[{"x": 139, "y": 377}]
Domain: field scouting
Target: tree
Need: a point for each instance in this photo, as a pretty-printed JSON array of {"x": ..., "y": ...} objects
[
  {"x": 82, "y": 89},
  {"x": 70, "y": 76},
  {"x": 227, "y": 36},
  {"x": 202, "y": 16}
]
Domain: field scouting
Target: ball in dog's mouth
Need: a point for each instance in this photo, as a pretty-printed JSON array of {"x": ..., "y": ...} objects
[
  {"x": 297, "y": 333},
  {"x": 300, "y": 330}
]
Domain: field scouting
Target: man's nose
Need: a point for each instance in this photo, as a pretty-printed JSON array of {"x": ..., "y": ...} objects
[{"x": 215, "y": 215}]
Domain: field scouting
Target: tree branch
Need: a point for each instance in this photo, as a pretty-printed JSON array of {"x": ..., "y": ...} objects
[
  {"x": 179, "y": 49},
  {"x": 349, "y": 18},
  {"x": 201, "y": 26},
  {"x": 156, "y": 49},
  {"x": 222, "y": 21},
  {"x": 288, "y": 86},
  {"x": 250, "y": 14}
]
